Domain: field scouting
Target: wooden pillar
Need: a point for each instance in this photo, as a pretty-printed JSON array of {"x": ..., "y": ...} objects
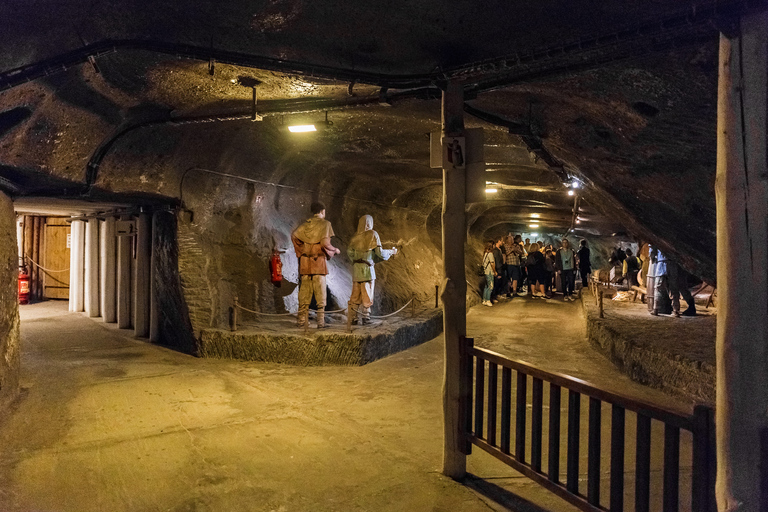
[
  {"x": 108, "y": 267},
  {"x": 124, "y": 280},
  {"x": 143, "y": 270},
  {"x": 91, "y": 282},
  {"x": 454, "y": 293},
  {"x": 154, "y": 313},
  {"x": 742, "y": 258},
  {"x": 76, "y": 252},
  {"x": 36, "y": 275}
]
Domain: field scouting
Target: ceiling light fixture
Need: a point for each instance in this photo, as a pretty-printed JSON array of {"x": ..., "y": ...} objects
[
  {"x": 571, "y": 192},
  {"x": 575, "y": 184},
  {"x": 534, "y": 234},
  {"x": 491, "y": 191},
  {"x": 301, "y": 128},
  {"x": 533, "y": 225},
  {"x": 535, "y": 215}
]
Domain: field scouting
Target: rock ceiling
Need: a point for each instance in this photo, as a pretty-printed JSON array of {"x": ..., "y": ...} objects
[{"x": 620, "y": 95}]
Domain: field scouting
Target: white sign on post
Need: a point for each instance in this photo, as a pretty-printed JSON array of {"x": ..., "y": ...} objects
[{"x": 125, "y": 227}]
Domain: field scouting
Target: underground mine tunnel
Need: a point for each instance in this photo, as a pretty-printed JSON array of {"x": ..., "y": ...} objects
[{"x": 158, "y": 164}]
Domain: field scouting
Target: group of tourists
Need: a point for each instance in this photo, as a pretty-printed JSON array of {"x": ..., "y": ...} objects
[
  {"x": 312, "y": 244},
  {"x": 512, "y": 267}
]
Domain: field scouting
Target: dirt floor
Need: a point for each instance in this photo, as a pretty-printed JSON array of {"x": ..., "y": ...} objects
[{"x": 109, "y": 422}]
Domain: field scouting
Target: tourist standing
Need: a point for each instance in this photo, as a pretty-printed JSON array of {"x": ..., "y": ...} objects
[
  {"x": 489, "y": 269},
  {"x": 585, "y": 265},
  {"x": 565, "y": 261}
]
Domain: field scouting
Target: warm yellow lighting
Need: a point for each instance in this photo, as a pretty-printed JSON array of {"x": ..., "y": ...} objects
[
  {"x": 533, "y": 225},
  {"x": 490, "y": 191},
  {"x": 571, "y": 192},
  {"x": 302, "y": 128},
  {"x": 535, "y": 215}
]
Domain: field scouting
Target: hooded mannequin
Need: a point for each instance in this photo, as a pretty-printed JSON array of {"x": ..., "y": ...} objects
[
  {"x": 365, "y": 251},
  {"x": 312, "y": 243}
]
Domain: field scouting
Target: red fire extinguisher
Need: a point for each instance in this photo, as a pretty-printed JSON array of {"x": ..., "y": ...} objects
[
  {"x": 276, "y": 267},
  {"x": 23, "y": 286}
]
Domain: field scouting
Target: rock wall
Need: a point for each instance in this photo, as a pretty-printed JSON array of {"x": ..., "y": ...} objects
[
  {"x": 175, "y": 324},
  {"x": 9, "y": 304}
]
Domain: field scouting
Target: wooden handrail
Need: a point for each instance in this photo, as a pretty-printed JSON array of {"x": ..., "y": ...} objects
[{"x": 677, "y": 419}]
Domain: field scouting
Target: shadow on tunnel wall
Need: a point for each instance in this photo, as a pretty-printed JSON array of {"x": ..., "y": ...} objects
[{"x": 175, "y": 324}]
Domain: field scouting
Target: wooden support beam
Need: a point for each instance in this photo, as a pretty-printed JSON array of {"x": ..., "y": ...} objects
[
  {"x": 108, "y": 269},
  {"x": 154, "y": 303},
  {"x": 91, "y": 268},
  {"x": 742, "y": 258},
  {"x": 124, "y": 244},
  {"x": 76, "y": 265},
  {"x": 454, "y": 290},
  {"x": 143, "y": 271}
]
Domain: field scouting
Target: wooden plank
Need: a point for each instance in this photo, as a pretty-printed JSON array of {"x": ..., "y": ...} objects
[
  {"x": 521, "y": 404},
  {"x": 537, "y": 400},
  {"x": 493, "y": 379},
  {"x": 506, "y": 406},
  {"x": 593, "y": 452},
  {"x": 572, "y": 463},
  {"x": 703, "y": 477},
  {"x": 671, "y": 468},
  {"x": 643, "y": 465},
  {"x": 678, "y": 419},
  {"x": 553, "y": 464},
  {"x": 479, "y": 396},
  {"x": 553, "y": 487},
  {"x": 617, "y": 459}
]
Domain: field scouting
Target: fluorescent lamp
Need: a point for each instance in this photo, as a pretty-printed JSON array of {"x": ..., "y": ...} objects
[
  {"x": 490, "y": 191},
  {"x": 533, "y": 225},
  {"x": 571, "y": 192},
  {"x": 302, "y": 128},
  {"x": 534, "y": 234},
  {"x": 535, "y": 215}
]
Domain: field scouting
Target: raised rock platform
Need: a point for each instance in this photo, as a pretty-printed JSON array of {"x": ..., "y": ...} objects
[
  {"x": 676, "y": 355},
  {"x": 280, "y": 341}
]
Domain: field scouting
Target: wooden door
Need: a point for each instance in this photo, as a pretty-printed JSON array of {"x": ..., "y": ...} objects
[{"x": 56, "y": 258}]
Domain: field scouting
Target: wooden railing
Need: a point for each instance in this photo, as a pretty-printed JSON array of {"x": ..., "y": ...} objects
[{"x": 495, "y": 418}]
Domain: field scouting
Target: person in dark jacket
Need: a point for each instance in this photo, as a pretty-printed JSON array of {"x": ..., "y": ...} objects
[
  {"x": 498, "y": 281},
  {"x": 536, "y": 272},
  {"x": 585, "y": 266}
]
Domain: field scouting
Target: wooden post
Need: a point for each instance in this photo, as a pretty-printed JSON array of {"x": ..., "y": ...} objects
[
  {"x": 741, "y": 188},
  {"x": 36, "y": 276},
  {"x": 454, "y": 289},
  {"x": 600, "y": 303},
  {"x": 91, "y": 286},
  {"x": 108, "y": 265},
  {"x": 142, "y": 282},
  {"x": 154, "y": 302},
  {"x": 233, "y": 316},
  {"x": 124, "y": 280},
  {"x": 76, "y": 265}
]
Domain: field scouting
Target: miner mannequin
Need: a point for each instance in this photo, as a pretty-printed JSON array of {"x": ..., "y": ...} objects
[
  {"x": 364, "y": 251},
  {"x": 312, "y": 242}
]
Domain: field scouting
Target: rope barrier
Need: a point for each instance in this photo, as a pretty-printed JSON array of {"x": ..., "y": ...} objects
[
  {"x": 285, "y": 314},
  {"x": 43, "y": 268},
  {"x": 384, "y": 316}
]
